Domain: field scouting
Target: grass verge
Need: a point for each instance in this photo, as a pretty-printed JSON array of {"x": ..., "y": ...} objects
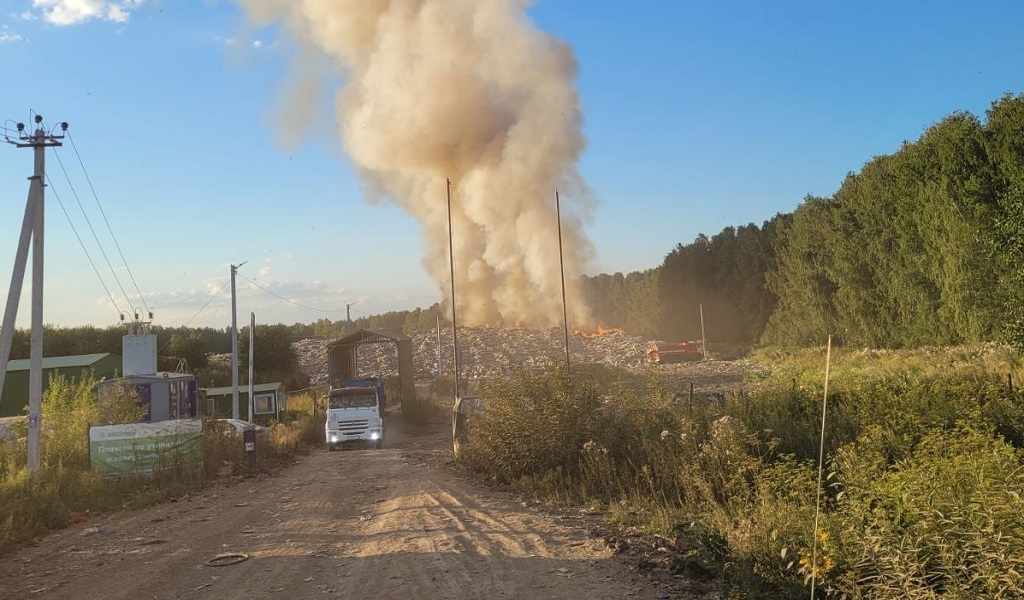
[
  {"x": 64, "y": 490},
  {"x": 924, "y": 472}
]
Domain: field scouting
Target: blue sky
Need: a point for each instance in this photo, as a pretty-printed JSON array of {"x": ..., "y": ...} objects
[{"x": 698, "y": 115}]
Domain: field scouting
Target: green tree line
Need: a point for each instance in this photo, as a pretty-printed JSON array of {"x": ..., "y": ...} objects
[{"x": 920, "y": 247}]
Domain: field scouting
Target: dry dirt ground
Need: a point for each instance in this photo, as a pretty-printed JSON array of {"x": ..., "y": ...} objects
[{"x": 395, "y": 523}]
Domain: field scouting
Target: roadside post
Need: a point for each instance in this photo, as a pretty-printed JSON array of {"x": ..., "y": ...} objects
[{"x": 249, "y": 438}]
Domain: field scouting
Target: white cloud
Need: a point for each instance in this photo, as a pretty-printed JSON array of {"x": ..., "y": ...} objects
[
  {"x": 7, "y": 35},
  {"x": 73, "y": 12},
  {"x": 256, "y": 44}
]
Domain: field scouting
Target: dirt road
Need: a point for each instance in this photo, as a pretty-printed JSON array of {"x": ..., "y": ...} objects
[{"x": 395, "y": 523}]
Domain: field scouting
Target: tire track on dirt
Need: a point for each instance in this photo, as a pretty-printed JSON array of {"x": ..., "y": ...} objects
[{"x": 363, "y": 523}]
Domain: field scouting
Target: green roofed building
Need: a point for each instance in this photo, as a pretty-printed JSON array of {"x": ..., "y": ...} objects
[
  {"x": 270, "y": 398},
  {"x": 14, "y": 399}
]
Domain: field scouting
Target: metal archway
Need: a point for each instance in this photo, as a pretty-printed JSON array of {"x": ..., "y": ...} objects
[{"x": 341, "y": 359}]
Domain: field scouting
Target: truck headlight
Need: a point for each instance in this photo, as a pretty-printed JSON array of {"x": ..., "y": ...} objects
[
  {"x": 375, "y": 436},
  {"x": 334, "y": 439}
]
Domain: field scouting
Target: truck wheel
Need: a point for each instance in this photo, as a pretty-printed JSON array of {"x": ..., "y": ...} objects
[
  {"x": 332, "y": 447},
  {"x": 379, "y": 443}
]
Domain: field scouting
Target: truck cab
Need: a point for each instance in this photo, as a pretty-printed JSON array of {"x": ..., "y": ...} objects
[{"x": 355, "y": 413}]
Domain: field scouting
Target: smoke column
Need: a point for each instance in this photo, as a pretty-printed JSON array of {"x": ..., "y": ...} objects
[{"x": 468, "y": 90}]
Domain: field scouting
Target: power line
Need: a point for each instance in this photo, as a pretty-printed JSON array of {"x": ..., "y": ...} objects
[
  {"x": 95, "y": 237},
  {"x": 198, "y": 312},
  {"x": 82, "y": 244},
  {"x": 109, "y": 228},
  {"x": 288, "y": 300}
]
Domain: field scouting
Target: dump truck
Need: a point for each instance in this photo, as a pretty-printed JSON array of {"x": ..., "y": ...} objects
[
  {"x": 355, "y": 413},
  {"x": 664, "y": 353}
]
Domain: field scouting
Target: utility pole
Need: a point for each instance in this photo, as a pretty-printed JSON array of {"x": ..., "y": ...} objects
[
  {"x": 348, "y": 317},
  {"x": 561, "y": 265},
  {"x": 455, "y": 322},
  {"x": 252, "y": 344},
  {"x": 234, "y": 343},
  {"x": 703, "y": 339},
  {"x": 31, "y": 229}
]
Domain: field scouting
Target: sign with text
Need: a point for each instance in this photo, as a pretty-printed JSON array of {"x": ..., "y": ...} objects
[{"x": 142, "y": 448}]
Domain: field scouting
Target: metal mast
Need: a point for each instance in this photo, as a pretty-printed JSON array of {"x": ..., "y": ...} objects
[
  {"x": 234, "y": 344},
  {"x": 561, "y": 266},
  {"x": 455, "y": 322},
  {"x": 31, "y": 229}
]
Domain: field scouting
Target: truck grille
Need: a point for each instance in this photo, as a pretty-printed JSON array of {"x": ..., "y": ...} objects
[{"x": 353, "y": 427}]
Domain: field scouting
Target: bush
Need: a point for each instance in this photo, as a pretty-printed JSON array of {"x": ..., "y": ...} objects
[
  {"x": 65, "y": 490},
  {"x": 946, "y": 522},
  {"x": 534, "y": 423},
  {"x": 917, "y": 505}
]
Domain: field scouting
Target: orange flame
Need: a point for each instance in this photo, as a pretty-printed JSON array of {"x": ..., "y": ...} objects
[{"x": 601, "y": 331}]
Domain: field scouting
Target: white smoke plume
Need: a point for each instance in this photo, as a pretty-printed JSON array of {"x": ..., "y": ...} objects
[{"x": 468, "y": 90}]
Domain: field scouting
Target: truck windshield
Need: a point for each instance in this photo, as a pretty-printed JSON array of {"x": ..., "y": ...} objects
[{"x": 354, "y": 401}]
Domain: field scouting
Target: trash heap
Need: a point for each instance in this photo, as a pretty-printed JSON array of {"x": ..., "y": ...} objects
[{"x": 484, "y": 351}]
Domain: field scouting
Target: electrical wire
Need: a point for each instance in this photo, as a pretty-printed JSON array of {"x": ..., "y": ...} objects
[
  {"x": 215, "y": 294},
  {"x": 198, "y": 312},
  {"x": 105, "y": 220},
  {"x": 288, "y": 300},
  {"x": 82, "y": 244},
  {"x": 95, "y": 237}
]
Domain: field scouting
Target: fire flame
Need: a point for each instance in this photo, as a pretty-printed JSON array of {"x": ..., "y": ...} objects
[{"x": 601, "y": 331}]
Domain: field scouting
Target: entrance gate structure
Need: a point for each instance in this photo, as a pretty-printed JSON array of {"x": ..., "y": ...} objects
[{"x": 342, "y": 364}]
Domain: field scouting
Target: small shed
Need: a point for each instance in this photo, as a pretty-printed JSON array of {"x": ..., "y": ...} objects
[
  {"x": 15, "y": 393},
  {"x": 269, "y": 397}
]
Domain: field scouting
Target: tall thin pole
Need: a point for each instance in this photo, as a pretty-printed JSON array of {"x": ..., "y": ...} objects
[
  {"x": 32, "y": 229},
  {"x": 438, "y": 315},
  {"x": 821, "y": 467},
  {"x": 252, "y": 343},
  {"x": 35, "y": 375},
  {"x": 455, "y": 323},
  {"x": 234, "y": 344},
  {"x": 561, "y": 264},
  {"x": 703, "y": 340},
  {"x": 17, "y": 280}
]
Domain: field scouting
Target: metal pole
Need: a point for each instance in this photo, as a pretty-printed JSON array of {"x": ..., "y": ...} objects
[
  {"x": 32, "y": 229},
  {"x": 234, "y": 344},
  {"x": 438, "y": 315},
  {"x": 35, "y": 376},
  {"x": 252, "y": 337},
  {"x": 17, "y": 280},
  {"x": 561, "y": 263},
  {"x": 703, "y": 340},
  {"x": 455, "y": 327},
  {"x": 821, "y": 463}
]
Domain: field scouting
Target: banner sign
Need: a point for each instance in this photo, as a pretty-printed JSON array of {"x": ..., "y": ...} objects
[{"x": 142, "y": 448}]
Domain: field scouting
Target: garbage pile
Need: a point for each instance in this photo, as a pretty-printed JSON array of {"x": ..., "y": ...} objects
[{"x": 484, "y": 351}]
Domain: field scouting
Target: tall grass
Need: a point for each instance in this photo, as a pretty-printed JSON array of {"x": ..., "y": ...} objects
[
  {"x": 64, "y": 490},
  {"x": 925, "y": 476}
]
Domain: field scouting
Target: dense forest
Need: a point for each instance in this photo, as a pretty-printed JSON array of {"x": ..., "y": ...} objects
[{"x": 920, "y": 247}]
